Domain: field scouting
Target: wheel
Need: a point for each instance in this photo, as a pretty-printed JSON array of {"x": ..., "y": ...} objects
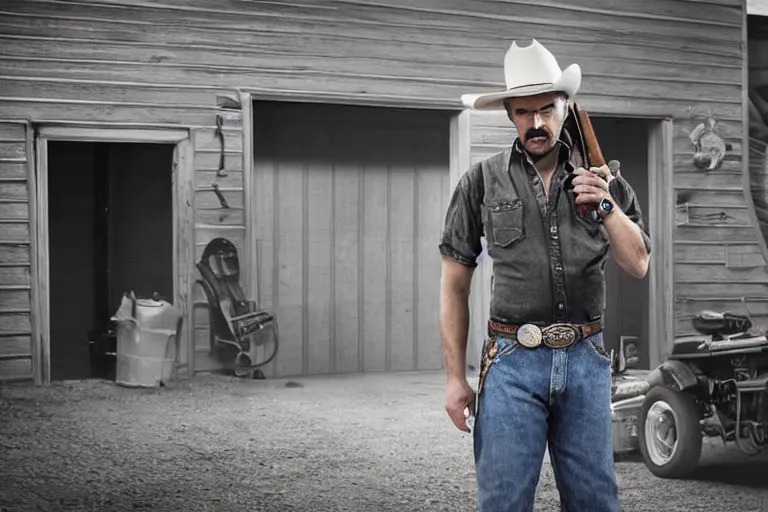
[{"x": 670, "y": 436}]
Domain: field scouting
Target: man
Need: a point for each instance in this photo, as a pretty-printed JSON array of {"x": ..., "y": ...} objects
[{"x": 540, "y": 384}]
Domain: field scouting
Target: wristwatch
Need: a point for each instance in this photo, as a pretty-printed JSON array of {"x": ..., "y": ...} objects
[{"x": 605, "y": 207}]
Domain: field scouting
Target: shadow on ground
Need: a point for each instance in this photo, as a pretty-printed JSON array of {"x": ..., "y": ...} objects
[{"x": 754, "y": 475}]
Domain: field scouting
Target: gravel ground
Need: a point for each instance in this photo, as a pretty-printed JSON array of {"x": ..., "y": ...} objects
[{"x": 340, "y": 443}]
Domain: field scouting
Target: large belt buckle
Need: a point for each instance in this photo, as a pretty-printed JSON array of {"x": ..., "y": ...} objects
[
  {"x": 529, "y": 335},
  {"x": 559, "y": 335}
]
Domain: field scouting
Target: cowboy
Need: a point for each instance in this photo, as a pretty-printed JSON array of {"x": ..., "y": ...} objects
[{"x": 545, "y": 378}]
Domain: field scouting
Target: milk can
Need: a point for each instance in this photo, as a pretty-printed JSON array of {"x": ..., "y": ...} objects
[{"x": 147, "y": 335}]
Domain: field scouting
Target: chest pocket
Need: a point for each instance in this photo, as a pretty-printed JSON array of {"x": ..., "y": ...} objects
[{"x": 506, "y": 223}]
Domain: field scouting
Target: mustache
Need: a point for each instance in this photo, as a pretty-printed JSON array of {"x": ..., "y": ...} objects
[{"x": 536, "y": 132}]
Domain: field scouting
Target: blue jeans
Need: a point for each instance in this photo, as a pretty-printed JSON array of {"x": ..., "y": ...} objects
[{"x": 534, "y": 397}]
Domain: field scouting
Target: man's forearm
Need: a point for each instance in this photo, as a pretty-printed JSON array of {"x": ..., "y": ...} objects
[
  {"x": 627, "y": 245},
  {"x": 454, "y": 327}
]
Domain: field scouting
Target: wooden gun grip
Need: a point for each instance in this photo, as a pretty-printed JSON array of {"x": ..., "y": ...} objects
[{"x": 594, "y": 154}]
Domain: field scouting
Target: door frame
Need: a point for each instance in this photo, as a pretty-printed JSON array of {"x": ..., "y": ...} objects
[
  {"x": 183, "y": 224},
  {"x": 661, "y": 225}
]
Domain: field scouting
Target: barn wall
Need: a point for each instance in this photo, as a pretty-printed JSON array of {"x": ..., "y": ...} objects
[
  {"x": 124, "y": 61},
  {"x": 15, "y": 254},
  {"x": 216, "y": 218},
  {"x": 57, "y": 87}
]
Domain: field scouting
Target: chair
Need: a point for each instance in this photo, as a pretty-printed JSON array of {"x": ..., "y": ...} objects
[{"x": 237, "y": 325}]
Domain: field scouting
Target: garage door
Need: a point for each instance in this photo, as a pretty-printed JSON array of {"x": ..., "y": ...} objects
[{"x": 349, "y": 205}]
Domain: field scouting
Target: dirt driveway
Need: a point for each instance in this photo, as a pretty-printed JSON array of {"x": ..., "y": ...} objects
[{"x": 354, "y": 443}]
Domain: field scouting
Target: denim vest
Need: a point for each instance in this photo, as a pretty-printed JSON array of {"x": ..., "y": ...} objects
[{"x": 548, "y": 262}]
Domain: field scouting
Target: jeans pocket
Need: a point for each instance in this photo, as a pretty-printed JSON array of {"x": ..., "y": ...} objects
[
  {"x": 598, "y": 350},
  {"x": 506, "y": 347}
]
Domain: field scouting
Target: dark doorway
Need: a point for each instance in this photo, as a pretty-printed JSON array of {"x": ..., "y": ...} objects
[
  {"x": 627, "y": 298},
  {"x": 110, "y": 216}
]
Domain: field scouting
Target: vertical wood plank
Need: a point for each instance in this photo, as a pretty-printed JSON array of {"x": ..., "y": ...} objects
[
  {"x": 263, "y": 196},
  {"x": 42, "y": 260},
  {"x": 430, "y": 176},
  {"x": 350, "y": 147},
  {"x": 289, "y": 253},
  {"x": 361, "y": 268},
  {"x": 318, "y": 259},
  {"x": 37, "y": 328},
  {"x": 460, "y": 147},
  {"x": 375, "y": 226},
  {"x": 417, "y": 172},
  {"x": 306, "y": 169},
  {"x": 402, "y": 257},
  {"x": 185, "y": 243},
  {"x": 661, "y": 228},
  {"x": 247, "y": 136}
]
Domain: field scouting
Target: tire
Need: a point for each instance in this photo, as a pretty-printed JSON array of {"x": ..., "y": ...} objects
[{"x": 687, "y": 452}]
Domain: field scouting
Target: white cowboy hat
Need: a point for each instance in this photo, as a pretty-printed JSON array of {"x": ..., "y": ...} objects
[{"x": 528, "y": 71}]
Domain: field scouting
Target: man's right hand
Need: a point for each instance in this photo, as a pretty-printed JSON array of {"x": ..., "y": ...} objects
[{"x": 459, "y": 395}]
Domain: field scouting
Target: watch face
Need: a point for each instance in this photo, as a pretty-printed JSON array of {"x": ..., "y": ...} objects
[{"x": 606, "y": 206}]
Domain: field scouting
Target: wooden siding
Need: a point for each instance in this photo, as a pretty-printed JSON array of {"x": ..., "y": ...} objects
[
  {"x": 216, "y": 218},
  {"x": 431, "y": 50},
  {"x": 133, "y": 62},
  {"x": 53, "y": 95},
  {"x": 15, "y": 254}
]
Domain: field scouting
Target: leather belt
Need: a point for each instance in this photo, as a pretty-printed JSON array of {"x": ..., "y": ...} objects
[{"x": 559, "y": 335}]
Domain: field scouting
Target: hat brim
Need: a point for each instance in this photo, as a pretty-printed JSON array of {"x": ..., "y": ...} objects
[{"x": 569, "y": 83}]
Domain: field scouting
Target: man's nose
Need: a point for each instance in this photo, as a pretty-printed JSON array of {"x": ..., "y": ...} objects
[{"x": 538, "y": 122}]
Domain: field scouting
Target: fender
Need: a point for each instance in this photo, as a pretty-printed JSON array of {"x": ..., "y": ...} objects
[{"x": 674, "y": 374}]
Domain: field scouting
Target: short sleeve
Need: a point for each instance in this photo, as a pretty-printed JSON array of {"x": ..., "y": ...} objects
[
  {"x": 463, "y": 223},
  {"x": 626, "y": 199}
]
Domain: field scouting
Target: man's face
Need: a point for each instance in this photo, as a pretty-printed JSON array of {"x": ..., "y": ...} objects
[{"x": 538, "y": 120}]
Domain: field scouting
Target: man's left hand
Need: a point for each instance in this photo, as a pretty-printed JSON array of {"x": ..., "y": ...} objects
[{"x": 591, "y": 186}]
